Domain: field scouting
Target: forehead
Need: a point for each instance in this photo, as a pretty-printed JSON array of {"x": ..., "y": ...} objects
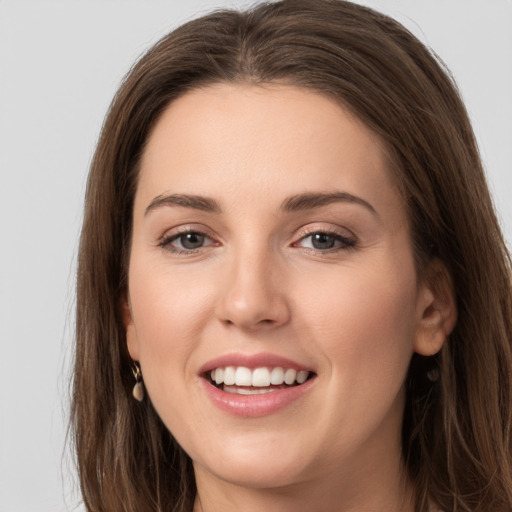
[{"x": 273, "y": 140}]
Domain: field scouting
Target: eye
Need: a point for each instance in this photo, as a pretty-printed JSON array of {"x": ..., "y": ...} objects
[
  {"x": 189, "y": 241},
  {"x": 325, "y": 241}
]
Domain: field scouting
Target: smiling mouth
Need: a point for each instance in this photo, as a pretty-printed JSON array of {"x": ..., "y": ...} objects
[{"x": 245, "y": 381}]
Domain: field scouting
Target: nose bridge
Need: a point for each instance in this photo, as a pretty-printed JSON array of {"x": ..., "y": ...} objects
[{"x": 253, "y": 295}]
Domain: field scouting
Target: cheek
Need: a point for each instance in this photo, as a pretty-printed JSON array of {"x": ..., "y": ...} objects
[
  {"x": 364, "y": 322},
  {"x": 170, "y": 312},
  {"x": 362, "y": 327},
  {"x": 168, "y": 303}
]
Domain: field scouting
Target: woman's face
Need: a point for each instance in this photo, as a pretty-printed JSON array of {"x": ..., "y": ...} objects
[{"x": 270, "y": 243}]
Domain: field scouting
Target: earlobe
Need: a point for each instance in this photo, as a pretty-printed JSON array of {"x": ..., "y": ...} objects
[
  {"x": 437, "y": 309},
  {"x": 132, "y": 341}
]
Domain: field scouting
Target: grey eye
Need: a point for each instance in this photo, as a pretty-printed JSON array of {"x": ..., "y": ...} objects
[
  {"x": 323, "y": 241},
  {"x": 190, "y": 241}
]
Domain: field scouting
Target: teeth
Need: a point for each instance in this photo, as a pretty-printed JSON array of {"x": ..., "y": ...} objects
[
  {"x": 219, "y": 376},
  {"x": 289, "y": 376},
  {"x": 257, "y": 378},
  {"x": 244, "y": 391},
  {"x": 229, "y": 376},
  {"x": 243, "y": 376},
  {"x": 261, "y": 377},
  {"x": 302, "y": 376},
  {"x": 277, "y": 376}
]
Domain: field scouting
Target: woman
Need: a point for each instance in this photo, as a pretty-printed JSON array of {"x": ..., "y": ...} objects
[{"x": 290, "y": 255}]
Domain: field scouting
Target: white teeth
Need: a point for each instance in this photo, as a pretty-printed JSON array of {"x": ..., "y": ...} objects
[
  {"x": 219, "y": 376},
  {"x": 246, "y": 391},
  {"x": 258, "y": 378},
  {"x": 229, "y": 376},
  {"x": 261, "y": 377},
  {"x": 277, "y": 377},
  {"x": 289, "y": 376},
  {"x": 243, "y": 376}
]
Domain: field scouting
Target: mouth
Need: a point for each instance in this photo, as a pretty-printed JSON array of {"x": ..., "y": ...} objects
[
  {"x": 255, "y": 385},
  {"x": 241, "y": 380}
]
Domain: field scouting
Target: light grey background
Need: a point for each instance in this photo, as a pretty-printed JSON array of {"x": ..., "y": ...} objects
[{"x": 60, "y": 64}]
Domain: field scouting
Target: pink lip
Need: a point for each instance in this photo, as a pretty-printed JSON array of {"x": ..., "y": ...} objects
[
  {"x": 252, "y": 361},
  {"x": 253, "y": 406}
]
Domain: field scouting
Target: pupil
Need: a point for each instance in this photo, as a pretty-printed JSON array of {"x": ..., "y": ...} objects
[
  {"x": 192, "y": 240},
  {"x": 323, "y": 241}
]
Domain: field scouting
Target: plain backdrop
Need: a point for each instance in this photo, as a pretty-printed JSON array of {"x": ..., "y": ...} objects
[{"x": 60, "y": 64}]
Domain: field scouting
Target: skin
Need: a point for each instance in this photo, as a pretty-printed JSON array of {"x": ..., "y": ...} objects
[{"x": 354, "y": 313}]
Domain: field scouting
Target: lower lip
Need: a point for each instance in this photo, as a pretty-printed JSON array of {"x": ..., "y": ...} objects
[{"x": 253, "y": 406}]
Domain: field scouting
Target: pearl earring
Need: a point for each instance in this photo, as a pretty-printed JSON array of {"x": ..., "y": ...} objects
[{"x": 138, "y": 389}]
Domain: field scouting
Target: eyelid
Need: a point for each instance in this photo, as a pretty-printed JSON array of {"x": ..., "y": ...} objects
[{"x": 320, "y": 227}]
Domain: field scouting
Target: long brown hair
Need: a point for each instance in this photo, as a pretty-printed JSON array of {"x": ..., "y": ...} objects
[{"x": 456, "y": 431}]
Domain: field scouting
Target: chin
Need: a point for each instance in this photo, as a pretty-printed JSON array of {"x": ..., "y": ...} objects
[
  {"x": 263, "y": 466},
  {"x": 265, "y": 475}
]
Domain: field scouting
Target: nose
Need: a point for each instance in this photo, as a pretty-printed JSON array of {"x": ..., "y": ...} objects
[{"x": 254, "y": 294}]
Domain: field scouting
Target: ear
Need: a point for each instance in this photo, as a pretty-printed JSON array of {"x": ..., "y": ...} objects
[
  {"x": 437, "y": 309},
  {"x": 132, "y": 340}
]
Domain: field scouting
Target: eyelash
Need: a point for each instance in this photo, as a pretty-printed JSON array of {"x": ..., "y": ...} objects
[
  {"x": 344, "y": 243},
  {"x": 166, "y": 241}
]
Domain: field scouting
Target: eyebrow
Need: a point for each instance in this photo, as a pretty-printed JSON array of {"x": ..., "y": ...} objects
[
  {"x": 205, "y": 204},
  {"x": 299, "y": 202},
  {"x": 312, "y": 200}
]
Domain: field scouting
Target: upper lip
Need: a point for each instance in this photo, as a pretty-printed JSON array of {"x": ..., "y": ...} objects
[{"x": 252, "y": 361}]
